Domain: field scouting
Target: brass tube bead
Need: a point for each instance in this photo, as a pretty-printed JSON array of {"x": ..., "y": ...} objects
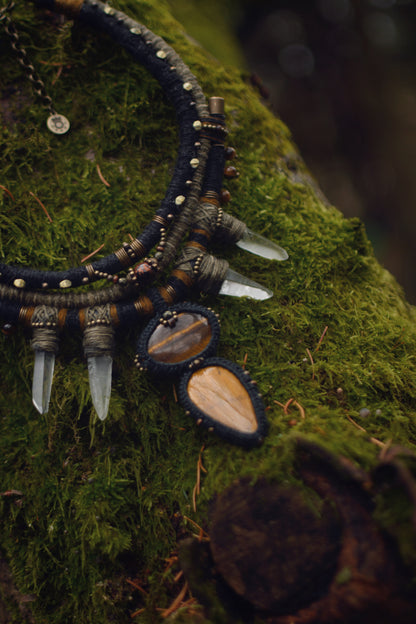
[{"x": 216, "y": 105}]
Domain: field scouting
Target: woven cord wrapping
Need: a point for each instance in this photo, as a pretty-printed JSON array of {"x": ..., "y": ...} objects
[
  {"x": 209, "y": 271},
  {"x": 212, "y": 272},
  {"x": 45, "y": 329},
  {"x": 99, "y": 332},
  {"x": 230, "y": 230}
]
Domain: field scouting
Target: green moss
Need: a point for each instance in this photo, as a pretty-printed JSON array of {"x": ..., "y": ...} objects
[{"x": 103, "y": 503}]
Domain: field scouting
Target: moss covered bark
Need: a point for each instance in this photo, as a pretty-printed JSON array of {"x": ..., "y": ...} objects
[{"x": 99, "y": 507}]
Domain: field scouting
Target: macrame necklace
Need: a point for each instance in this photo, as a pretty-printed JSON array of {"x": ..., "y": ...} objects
[{"x": 181, "y": 338}]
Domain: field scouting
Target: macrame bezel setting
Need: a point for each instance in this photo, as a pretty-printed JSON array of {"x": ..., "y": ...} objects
[{"x": 169, "y": 324}]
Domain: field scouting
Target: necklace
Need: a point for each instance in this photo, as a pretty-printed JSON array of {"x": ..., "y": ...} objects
[{"x": 181, "y": 338}]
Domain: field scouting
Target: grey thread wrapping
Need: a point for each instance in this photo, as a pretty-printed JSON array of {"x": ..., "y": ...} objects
[
  {"x": 45, "y": 329},
  {"x": 98, "y": 337}
]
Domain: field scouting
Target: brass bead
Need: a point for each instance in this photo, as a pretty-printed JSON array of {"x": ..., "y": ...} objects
[{"x": 216, "y": 105}]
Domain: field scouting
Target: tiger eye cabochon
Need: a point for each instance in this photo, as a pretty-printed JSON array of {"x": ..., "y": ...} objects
[
  {"x": 188, "y": 337},
  {"x": 222, "y": 396},
  {"x": 176, "y": 337},
  {"x": 216, "y": 392}
]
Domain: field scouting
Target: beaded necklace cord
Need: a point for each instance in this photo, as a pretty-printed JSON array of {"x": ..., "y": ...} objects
[{"x": 181, "y": 339}]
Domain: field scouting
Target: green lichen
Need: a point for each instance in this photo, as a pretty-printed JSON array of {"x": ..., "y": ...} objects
[{"x": 104, "y": 503}]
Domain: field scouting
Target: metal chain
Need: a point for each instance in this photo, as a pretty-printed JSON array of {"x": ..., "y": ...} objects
[
  {"x": 23, "y": 59},
  {"x": 6, "y": 9}
]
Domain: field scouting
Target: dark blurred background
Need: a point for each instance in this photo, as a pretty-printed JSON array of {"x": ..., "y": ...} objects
[{"x": 342, "y": 75}]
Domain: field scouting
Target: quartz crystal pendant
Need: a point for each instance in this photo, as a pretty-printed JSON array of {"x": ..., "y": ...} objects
[
  {"x": 238, "y": 285},
  {"x": 42, "y": 380},
  {"x": 261, "y": 246},
  {"x": 100, "y": 371},
  {"x": 98, "y": 342}
]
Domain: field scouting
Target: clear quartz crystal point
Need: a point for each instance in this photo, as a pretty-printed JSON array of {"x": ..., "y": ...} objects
[
  {"x": 99, "y": 371},
  {"x": 261, "y": 246},
  {"x": 42, "y": 380},
  {"x": 238, "y": 285}
]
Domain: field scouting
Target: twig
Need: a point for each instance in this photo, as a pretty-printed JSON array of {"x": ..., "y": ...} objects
[
  {"x": 137, "y": 586},
  {"x": 6, "y": 190},
  {"x": 356, "y": 424},
  {"x": 199, "y": 467},
  {"x": 58, "y": 74},
  {"x": 177, "y": 602},
  {"x": 278, "y": 403},
  {"x": 296, "y": 404},
  {"x": 379, "y": 442},
  {"x": 202, "y": 533},
  {"x": 286, "y": 406},
  {"x": 373, "y": 440},
  {"x": 300, "y": 408},
  {"x": 138, "y": 612},
  {"x": 102, "y": 178},
  {"x": 175, "y": 395},
  {"x": 42, "y": 206},
  {"x": 321, "y": 338},
  {"x": 170, "y": 562},
  {"x": 92, "y": 253},
  {"x": 312, "y": 362}
]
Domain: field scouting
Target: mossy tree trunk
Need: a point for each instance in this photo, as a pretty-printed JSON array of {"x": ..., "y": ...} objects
[{"x": 91, "y": 513}]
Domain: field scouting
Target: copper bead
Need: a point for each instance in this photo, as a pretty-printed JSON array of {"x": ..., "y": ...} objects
[
  {"x": 231, "y": 172},
  {"x": 225, "y": 196},
  {"x": 230, "y": 153}
]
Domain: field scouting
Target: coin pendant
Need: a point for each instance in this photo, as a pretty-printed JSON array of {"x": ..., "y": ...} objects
[{"x": 58, "y": 124}]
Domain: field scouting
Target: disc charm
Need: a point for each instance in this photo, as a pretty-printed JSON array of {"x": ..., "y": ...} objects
[{"x": 58, "y": 124}]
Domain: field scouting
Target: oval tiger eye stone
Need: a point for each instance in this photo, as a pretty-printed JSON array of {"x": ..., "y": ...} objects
[
  {"x": 220, "y": 394},
  {"x": 187, "y": 338}
]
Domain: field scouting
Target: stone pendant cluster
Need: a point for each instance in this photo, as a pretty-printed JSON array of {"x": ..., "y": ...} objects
[
  {"x": 181, "y": 342},
  {"x": 216, "y": 392}
]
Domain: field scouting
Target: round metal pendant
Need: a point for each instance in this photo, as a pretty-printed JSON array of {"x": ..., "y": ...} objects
[{"x": 58, "y": 124}]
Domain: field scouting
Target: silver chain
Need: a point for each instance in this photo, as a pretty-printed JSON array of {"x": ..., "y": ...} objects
[{"x": 58, "y": 124}]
